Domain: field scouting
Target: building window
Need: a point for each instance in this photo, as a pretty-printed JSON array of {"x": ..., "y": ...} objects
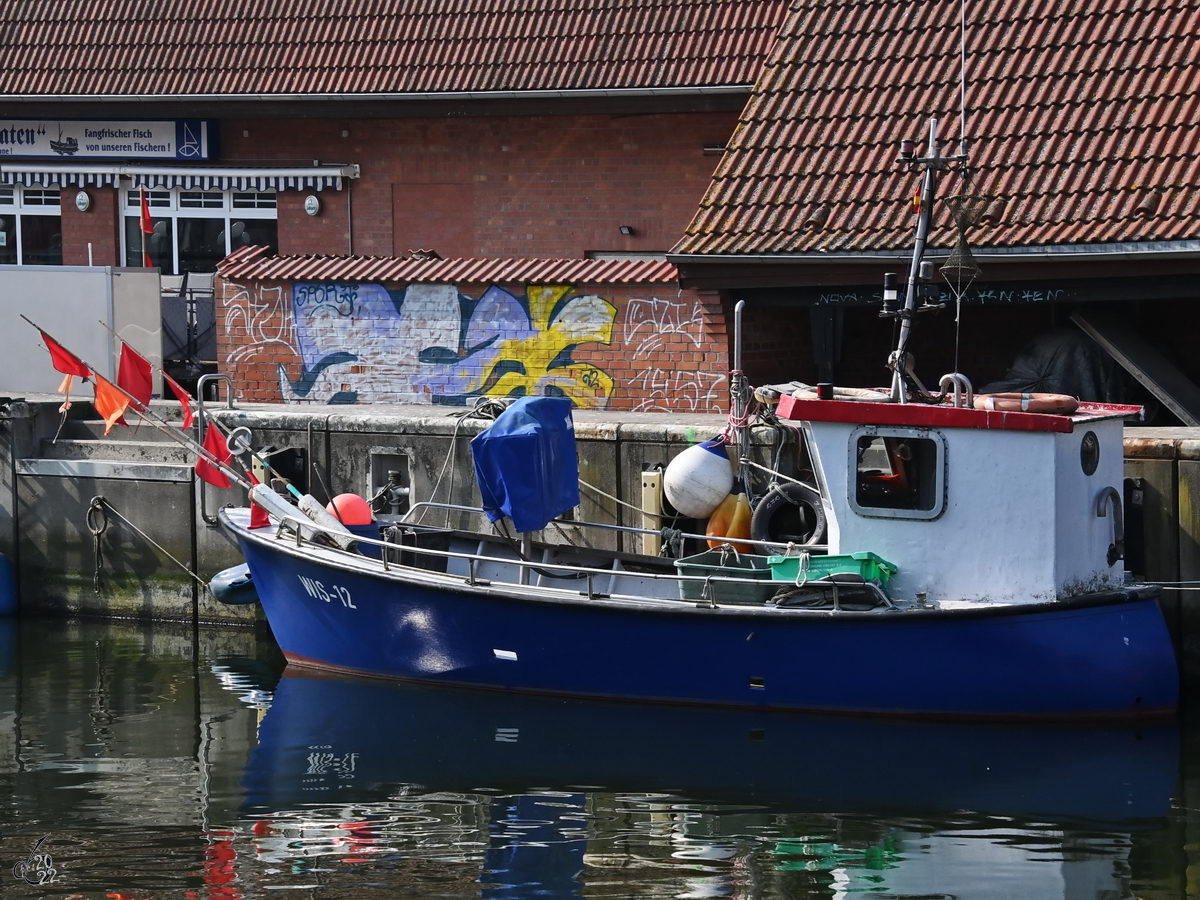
[
  {"x": 194, "y": 230},
  {"x": 30, "y": 227},
  {"x": 897, "y": 473}
]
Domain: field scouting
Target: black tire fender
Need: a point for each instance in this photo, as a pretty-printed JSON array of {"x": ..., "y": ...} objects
[{"x": 789, "y": 513}]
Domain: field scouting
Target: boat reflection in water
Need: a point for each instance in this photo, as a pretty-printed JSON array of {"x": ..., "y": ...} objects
[{"x": 545, "y": 794}]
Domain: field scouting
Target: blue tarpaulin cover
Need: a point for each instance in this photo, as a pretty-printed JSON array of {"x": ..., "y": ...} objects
[{"x": 526, "y": 464}]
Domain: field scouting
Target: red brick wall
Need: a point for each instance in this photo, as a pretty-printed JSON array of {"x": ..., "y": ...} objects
[
  {"x": 651, "y": 347},
  {"x": 541, "y": 186},
  {"x": 98, "y": 226}
]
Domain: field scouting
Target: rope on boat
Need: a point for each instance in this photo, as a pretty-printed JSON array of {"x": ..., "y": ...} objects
[
  {"x": 672, "y": 538},
  {"x": 97, "y": 523},
  {"x": 484, "y": 408}
]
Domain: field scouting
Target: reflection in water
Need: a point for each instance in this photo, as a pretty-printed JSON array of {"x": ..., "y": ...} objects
[{"x": 163, "y": 764}]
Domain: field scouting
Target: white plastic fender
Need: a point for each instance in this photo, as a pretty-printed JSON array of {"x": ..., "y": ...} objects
[{"x": 698, "y": 479}]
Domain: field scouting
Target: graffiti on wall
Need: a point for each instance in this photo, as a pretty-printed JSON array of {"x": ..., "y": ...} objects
[
  {"x": 429, "y": 343},
  {"x": 651, "y": 324},
  {"x": 263, "y": 314},
  {"x": 654, "y": 325}
]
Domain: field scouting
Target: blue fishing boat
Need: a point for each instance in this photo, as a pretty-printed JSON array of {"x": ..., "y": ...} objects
[{"x": 950, "y": 555}]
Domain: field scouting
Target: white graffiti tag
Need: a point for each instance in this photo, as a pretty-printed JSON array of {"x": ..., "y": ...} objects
[
  {"x": 650, "y": 324},
  {"x": 266, "y": 316},
  {"x": 674, "y": 391}
]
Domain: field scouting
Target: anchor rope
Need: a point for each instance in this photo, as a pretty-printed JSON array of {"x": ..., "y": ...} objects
[{"x": 97, "y": 523}]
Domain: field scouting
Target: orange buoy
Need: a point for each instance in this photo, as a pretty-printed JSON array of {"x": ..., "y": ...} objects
[
  {"x": 351, "y": 509},
  {"x": 731, "y": 519},
  {"x": 1055, "y": 404}
]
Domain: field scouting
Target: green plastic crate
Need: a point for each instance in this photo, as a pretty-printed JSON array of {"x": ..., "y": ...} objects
[
  {"x": 868, "y": 565},
  {"x": 724, "y": 563}
]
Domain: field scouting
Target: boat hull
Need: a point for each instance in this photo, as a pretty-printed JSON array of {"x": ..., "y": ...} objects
[{"x": 1104, "y": 655}]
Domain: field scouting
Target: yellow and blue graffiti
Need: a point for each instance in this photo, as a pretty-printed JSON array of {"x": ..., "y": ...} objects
[{"x": 361, "y": 343}]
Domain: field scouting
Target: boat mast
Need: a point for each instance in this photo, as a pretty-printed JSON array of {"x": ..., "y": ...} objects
[{"x": 900, "y": 361}]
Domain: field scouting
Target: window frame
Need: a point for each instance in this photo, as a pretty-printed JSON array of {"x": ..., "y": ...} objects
[
  {"x": 940, "y": 472},
  {"x": 13, "y": 202},
  {"x": 167, "y": 203}
]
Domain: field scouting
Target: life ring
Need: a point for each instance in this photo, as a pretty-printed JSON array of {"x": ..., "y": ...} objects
[
  {"x": 789, "y": 513},
  {"x": 1055, "y": 404}
]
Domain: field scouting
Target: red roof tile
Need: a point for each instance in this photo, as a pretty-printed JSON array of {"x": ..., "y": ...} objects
[
  {"x": 252, "y": 263},
  {"x": 60, "y": 48},
  {"x": 1074, "y": 112}
]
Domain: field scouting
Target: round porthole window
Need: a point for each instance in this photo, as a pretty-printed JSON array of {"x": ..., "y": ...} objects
[{"x": 1089, "y": 453}]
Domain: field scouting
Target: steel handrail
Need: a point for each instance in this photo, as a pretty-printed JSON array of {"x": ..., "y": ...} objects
[
  {"x": 304, "y": 524},
  {"x": 631, "y": 529}
]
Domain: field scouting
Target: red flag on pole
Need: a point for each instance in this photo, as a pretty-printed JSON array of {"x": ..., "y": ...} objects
[
  {"x": 258, "y": 515},
  {"x": 63, "y": 359},
  {"x": 184, "y": 398},
  {"x": 147, "y": 228},
  {"x": 110, "y": 403},
  {"x": 214, "y": 443},
  {"x": 135, "y": 375}
]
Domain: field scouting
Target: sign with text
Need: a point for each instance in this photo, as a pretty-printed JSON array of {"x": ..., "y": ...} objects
[{"x": 179, "y": 139}]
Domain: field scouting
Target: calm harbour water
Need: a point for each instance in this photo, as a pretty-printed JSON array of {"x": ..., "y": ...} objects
[{"x": 152, "y": 763}]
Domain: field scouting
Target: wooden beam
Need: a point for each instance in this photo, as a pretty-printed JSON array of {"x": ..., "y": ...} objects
[{"x": 1174, "y": 390}]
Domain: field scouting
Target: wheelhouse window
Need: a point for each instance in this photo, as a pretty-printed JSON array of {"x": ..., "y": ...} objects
[
  {"x": 194, "y": 230},
  {"x": 30, "y": 227},
  {"x": 897, "y": 472}
]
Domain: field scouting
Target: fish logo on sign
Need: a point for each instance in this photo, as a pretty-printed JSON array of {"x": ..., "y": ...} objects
[{"x": 189, "y": 144}]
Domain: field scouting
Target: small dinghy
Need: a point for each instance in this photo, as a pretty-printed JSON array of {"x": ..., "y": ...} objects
[{"x": 234, "y": 586}]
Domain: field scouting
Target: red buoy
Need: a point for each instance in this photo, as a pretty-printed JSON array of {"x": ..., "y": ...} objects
[{"x": 351, "y": 509}]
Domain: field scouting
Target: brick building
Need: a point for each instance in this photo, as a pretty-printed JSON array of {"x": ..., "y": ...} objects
[
  {"x": 1082, "y": 137},
  {"x": 554, "y": 131},
  {"x": 357, "y": 146}
]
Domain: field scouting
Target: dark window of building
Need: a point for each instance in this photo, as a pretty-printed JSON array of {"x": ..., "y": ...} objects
[
  {"x": 201, "y": 244},
  {"x": 30, "y": 227},
  {"x": 160, "y": 246},
  {"x": 201, "y": 200},
  {"x": 259, "y": 200},
  {"x": 41, "y": 240},
  {"x": 194, "y": 230},
  {"x": 8, "y": 240}
]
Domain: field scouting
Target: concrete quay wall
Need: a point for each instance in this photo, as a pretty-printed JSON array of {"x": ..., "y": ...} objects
[{"x": 156, "y": 509}]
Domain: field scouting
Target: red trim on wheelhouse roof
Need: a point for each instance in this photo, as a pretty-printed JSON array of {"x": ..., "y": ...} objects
[{"x": 923, "y": 415}]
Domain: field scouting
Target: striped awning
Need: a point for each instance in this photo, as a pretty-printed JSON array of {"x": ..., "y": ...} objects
[{"x": 205, "y": 178}]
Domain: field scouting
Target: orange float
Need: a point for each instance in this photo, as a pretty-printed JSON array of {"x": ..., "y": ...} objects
[
  {"x": 731, "y": 519},
  {"x": 1055, "y": 404}
]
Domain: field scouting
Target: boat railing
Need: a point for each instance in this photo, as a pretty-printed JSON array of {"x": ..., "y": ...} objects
[
  {"x": 780, "y": 546},
  {"x": 303, "y": 531}
]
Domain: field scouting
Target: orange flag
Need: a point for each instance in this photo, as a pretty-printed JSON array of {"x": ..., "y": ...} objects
[
  {"x": 110, "y": 403},
  {"x": 214, "y": 443}
]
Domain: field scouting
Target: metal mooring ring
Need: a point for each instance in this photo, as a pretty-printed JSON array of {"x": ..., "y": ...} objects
[{"x": 97, "y": 517}]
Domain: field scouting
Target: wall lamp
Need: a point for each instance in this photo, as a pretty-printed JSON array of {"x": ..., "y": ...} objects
[{"x": 627, "y": 230}]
